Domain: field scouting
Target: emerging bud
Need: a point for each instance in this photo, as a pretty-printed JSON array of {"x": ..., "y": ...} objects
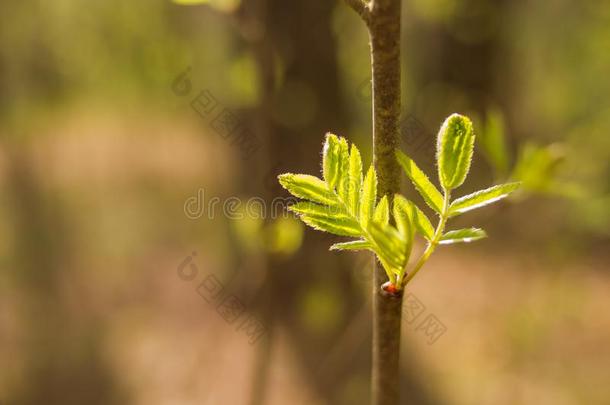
[{"x": 391, "y": 290}]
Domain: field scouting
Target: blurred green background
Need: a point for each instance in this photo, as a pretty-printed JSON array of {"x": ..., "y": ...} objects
[{"x": 107, "y": 173}]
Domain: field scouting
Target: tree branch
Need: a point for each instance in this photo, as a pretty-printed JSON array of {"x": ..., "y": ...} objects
[
  {"x": 361, "y": 7},
  {"x": 384, "y": 31}
]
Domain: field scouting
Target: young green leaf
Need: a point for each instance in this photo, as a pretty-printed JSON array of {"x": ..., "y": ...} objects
[
  {"x": 416, "y": 217},
  {"x": 388, "y": 244},
  {"x": 382, "y": 212},
  {"x": 355, "y": 180},
  {"x": 424, "y": 186},
  {"x": 481, "y": 198},
  {"x": 319, "y": 211},
  {"x": 462, "y": 235},
  {"x": 330, "y": 160},
  {"x": 343, "y": 184},
  {"x": 333, "y": 219},
  {"x": 369, "y": 197},
  {"x": 344, "y": 204},
  {"x": 337, "y": 226},
  {"x": 454, "y": 150},
  {"x": 402, "y": 216},
  {"x": 352, "y": 245},
  {"x": 308, "y": 187}
]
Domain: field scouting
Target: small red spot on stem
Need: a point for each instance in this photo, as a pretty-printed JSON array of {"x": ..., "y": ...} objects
[{"x": 390, "y": 289}]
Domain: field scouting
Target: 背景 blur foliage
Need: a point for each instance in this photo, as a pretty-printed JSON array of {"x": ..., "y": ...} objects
[
  {"x": 97, "y": 155},
  {"x": 553, "y": 88}
]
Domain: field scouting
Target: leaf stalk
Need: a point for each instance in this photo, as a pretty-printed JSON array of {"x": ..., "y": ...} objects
[{"x": 432, "y": 244}]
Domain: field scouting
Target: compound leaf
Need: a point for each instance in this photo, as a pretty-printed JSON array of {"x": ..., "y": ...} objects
[{"x": 346, "y": 204}]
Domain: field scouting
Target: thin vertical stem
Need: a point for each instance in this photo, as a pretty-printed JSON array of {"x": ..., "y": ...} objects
[
  {"x": 384, "y": 31},
  {"x": 383, "y": 21}
]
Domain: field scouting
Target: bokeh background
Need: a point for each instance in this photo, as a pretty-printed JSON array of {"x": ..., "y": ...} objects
[{"x": 120, "y": 122}]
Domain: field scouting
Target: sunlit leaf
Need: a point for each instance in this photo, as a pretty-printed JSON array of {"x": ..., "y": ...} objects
[
  {"x": 388, "y": 244},
  {"x": 402, "y": 215},
  {"x": 342, "y": 187},
  {"x": 369, "y": 197},
  {"x": 352, "y": 245},
  {"x": 345, "y": 204},
  {"x": 481, "y": 198},
  {"x": 319, "y": 211},
  {"x": 307, "y": 187},
  {"x": 416, "y": 218},
  {"x": 454, "y": 150},
  {"x": 382, "y": 211},
  {"x": 330, "y": 160},
  {"x": 333, "y": 219},
  {"x": 355, "y": 180},
  {"x": 400, "y": 210},
  {"x": 424, "y": 186},
  {"x": 462, "y": 235},
  {"x": 337, "y": 226}
]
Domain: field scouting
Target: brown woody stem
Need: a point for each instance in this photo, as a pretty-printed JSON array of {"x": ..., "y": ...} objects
[{"x": 384, "y": 31}]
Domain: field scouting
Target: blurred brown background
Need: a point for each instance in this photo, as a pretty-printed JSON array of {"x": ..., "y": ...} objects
[{"x": 121, "y": 121}]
